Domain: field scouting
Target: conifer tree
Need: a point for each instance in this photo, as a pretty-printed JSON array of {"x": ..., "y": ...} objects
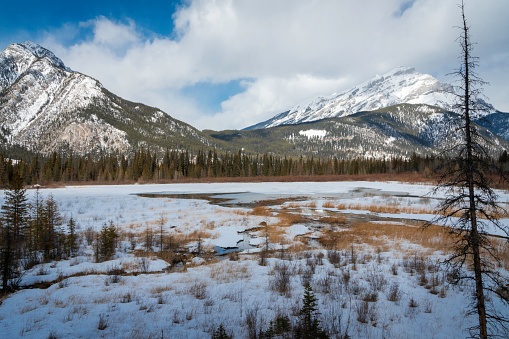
[
  {"x": 107, "y": 241},
  {"x": 72, "y": 237},
  {"x": 14, "y": 222},
  {"x": 52, "y": 234},
  {"x": 309, "y": 325}
]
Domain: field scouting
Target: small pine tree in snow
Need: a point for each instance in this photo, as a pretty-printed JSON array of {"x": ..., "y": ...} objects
[
  {"x": 220, "y": 333},
  {"x": 107, "y": 241},
  {"x": 72, "y": 237},
  {"x": 308, "y": 326}
]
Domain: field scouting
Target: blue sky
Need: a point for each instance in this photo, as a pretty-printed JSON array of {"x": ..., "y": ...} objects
[
  {"x": 32, "y": 17},
  {"x": 222, "y": 64}
]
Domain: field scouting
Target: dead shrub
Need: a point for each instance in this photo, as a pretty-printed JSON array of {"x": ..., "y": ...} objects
[
  {"x": 103, "y": 324},
  {"x": 394, "y": 292},
  {"x": 199, "y": 290},
  {"x": 326, "y": 284},
  {"x": 280, "y": 281},
  {"x": 376, "y": 280},
  {"x": 394, "y": 269},
  {"x": 371, "y": 296},
  {"x": 306, "y": 275},
  {"x": 334, "y": 257},
  {"x": 252, "y": 322},
  {"x": 413, "y": 303},
  {"x": 365, "y": 312}
]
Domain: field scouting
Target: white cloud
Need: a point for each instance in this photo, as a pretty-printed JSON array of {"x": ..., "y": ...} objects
[{"x": 291, "y": 49}]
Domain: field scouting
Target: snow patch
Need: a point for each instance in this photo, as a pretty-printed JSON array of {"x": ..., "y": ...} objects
[{"x": 314, "y": 133}]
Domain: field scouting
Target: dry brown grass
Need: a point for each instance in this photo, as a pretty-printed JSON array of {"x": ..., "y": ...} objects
[
  {"x": 288, "y": 219},
  {"x": 329, "y": 204},
  {"x": 229, "y": 271},
  {"x": 161, "y": 288},
  {"x": 336, "y": 219},
  {"x": 377, "y": 235},
  {"x": 293, "y": 205},
  {"x": 398, "y": 209},
  {"x": 297, "y": 247},
  {"x": 262, "y": 211},
  {"x": 392, "y": 208},
  {"x": 277, "y": 233}
]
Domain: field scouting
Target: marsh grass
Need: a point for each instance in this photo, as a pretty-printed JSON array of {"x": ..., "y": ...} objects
[
  {"x": 228, "y": 271},
  {"x": 383, "y": 236},
  {"x": 389, "y": 208}
]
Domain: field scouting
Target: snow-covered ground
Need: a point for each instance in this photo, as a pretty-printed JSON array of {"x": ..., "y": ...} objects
[{"x": 87, "y": 300}]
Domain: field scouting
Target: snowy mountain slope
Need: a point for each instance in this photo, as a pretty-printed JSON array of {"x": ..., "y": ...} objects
[
  {"x": 45, "y": 106},
  {"x": 402, "y": 85},
  {"x": 497, "y": 122},
  {"x": 398, "y": 130}
]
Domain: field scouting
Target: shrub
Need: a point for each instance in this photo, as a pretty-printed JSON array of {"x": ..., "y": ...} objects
[
  {"x": 334, "y": 257},
  {"x": 103, "y": 324},
  {"x": 251, "y": 322},
  {"x": 394, "y": 293},
  {"x": 376, "y": 280},
  {"x": 365, "y": 312},
  {"x": 199, "y": 290},
  {"x": 370, "y": 296},
  {"x": 281, "y": 279},
  {"x": 413, "y": 303}
]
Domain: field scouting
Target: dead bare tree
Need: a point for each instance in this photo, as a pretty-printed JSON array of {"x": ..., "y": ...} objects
[
  {"x": 161, "y": 222},
  {"x": 471, "y": 208}
]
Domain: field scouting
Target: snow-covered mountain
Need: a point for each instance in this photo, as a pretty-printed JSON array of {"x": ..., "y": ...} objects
[
  {"x": 45, "y": 106},
  {"x": 398, "y": 130},
  {"x": 401, "y": 85}
]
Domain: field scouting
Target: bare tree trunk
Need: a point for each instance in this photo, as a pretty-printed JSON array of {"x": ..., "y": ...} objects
[{"x": 474, "y": 235}]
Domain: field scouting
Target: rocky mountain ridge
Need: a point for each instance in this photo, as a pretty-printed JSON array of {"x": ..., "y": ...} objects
[
  {"x": 401, "y": 85},
  {"x": 44, "y": 106}
]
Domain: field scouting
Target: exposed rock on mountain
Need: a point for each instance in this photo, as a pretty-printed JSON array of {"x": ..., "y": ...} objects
[{"x": 45, "y": 106}]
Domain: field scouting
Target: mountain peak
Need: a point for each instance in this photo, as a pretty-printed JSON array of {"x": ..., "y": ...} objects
[
  {"x": 401, "y": 70},
  {"x": 400, "y": 85},
  {"x": 42, "y": 52}
]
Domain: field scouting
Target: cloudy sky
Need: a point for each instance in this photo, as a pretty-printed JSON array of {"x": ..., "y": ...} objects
[{"x": 227, "y": 64}]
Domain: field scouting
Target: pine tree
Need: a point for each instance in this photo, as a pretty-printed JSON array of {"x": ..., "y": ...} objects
[
  {"x": 309, "y": 325},
  {"x": 72, "y": 237},
  {"x": 14, "y": 222},
  {"x": 34, "y": 242},
  {"x": 107, "y": 241},
  {"x": 220, "y": 333},
  {"x": 52, "y": 235}
]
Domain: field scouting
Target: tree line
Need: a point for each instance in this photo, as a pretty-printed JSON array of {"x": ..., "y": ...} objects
[{"x": 145, "y": 165}]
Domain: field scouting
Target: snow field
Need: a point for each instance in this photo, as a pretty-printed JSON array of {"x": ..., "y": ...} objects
[{"x": 378, "y": 280}]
